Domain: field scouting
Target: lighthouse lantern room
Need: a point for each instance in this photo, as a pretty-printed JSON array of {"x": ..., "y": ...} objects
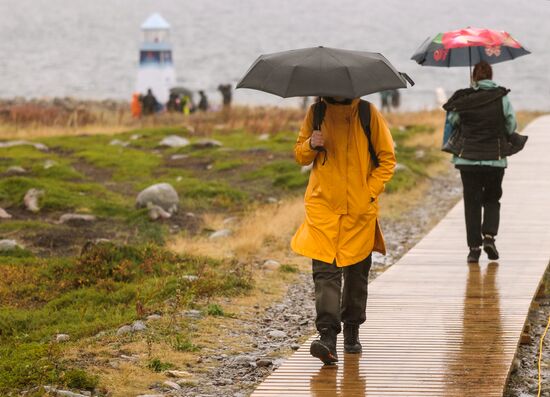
[{"x": 156, "y": 70}]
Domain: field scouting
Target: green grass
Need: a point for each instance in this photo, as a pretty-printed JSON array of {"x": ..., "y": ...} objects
[{"x": 85, "y": 295}]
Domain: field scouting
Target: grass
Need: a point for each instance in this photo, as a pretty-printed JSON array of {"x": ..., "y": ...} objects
[{"x": 49, "y": 287}]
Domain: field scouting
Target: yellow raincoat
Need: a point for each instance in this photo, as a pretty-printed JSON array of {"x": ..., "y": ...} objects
[{"x": 341, "y": 198}]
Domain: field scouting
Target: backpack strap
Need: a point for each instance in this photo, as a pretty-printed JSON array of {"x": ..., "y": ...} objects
[
  {"x": 319, "y": 109},
  {"x": 364, "y": 116}
]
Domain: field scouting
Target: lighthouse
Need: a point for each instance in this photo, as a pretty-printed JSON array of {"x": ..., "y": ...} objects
[{"x": 156, "y": 70}]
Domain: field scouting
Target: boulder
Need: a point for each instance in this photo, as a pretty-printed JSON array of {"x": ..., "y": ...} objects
[
  {"x": 179, "y": 157},
  {"x": 271, "y": 264},
  {"x": 157, "y": 212},
  {"x": 76, "y": 219},
  {"x": 8, "y": 245},
  {"x": 59, "y": 338},
  {"x": 138, "y": 326},
  {"x": 162, "y": 195},
  {"x": 62, "y": 393},
  {"x": 171, "y": 385},
  {"x": 49, "y": 164},
  {"x": 36, "y": 145},
  {"x": 220, "y": 234},
  {"x": 263, "y": 137},
  {"x": 277, "y": 334},
  {"x": 15, "y": 169},
  {"x": 4, "y": 214},
  {"x": 177, "y": 374},
  {"x": 174, "y": 141},
  {"x": 31, "y": 199},
  {"x": 125, "y": 329}
]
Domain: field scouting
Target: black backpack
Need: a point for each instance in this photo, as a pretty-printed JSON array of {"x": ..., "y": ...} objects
[{"x": 319, "y": 109}]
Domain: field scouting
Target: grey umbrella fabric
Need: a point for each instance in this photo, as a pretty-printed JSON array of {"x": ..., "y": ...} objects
[{"x": 322, "y": 71}]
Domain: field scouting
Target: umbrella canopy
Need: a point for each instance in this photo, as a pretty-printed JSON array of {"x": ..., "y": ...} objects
[
  {"x": 321, "y": 71},
  {"x": 181, "y": 91},
  {"x": 467, "y": 47}
]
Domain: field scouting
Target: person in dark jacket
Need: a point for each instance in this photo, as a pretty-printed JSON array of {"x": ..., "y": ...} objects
[
  {"x": 150, "y": 103},
  {"x": 484, "y": 117},
  {"x": 203, "y": 102}
]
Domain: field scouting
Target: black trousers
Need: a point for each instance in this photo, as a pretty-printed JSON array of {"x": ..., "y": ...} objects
[
  {"x": 334, "y": 305},
  {"x": 482, "y": 193}
]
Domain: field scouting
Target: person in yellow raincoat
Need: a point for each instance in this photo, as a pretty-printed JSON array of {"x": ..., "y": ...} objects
[{"x": 341, "y": 228}]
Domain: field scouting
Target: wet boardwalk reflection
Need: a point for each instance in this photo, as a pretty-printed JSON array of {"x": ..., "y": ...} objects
[{"x": 435, "y": 325}]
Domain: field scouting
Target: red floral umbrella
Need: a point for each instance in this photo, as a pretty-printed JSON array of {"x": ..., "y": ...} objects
[{"x": 466, "y": 47}]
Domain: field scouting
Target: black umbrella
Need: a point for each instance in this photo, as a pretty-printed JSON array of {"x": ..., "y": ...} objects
[{"x": 321, "y": 71}]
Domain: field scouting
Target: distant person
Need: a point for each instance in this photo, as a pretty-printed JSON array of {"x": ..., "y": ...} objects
[
  {"x": 135, "y": 105},
  {"x": 203, "y": 102},
  {"x": 395, "y": 99},
  {"x": 150, "y": 104},
  {"x": 385, "y": 97},
  {"x": 483, "y": 115},
  {"x": 173, "y": 104},
  {"x": 186, "y": 105},
  {"x": 227, "y": 95}
]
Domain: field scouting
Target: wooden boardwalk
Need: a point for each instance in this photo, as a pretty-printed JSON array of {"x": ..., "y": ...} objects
[{"x": 435, "y": 325}]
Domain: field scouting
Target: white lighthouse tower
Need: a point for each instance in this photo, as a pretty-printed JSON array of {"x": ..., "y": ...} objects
[{"x": 156, "y": 70}]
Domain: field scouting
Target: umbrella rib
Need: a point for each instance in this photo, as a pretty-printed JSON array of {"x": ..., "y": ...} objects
[{"x": 289, "y": 81}]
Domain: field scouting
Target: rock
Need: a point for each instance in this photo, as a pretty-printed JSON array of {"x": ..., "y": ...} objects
[
  {"x": 271, "y": 264},
  {"x": 178, "y": 156},
  {"x": 231, "y": 220},
  {"x": 125, "y": 329},
  {"x": 420, "y": 153},
  {"x": 118, "y": 142},
  {"x": 194, "y": 314},
  {"x": 277, "y": 334},
  {"x": 272, "y": 200},
  {"x": 221, "y": 234},
  {"x": 177, "y": 374},
  {"x": 171, "y": 385},
  {"x": 154, "y": 317},
  {"x": 15, "y": 169},
  {"x": 157, "y": 212},
  {"x": 129, "y": 358},
  {"x": 207, "y": 143},
  {"x": 151, "y": 395},
  {"x": 244, "y": 359},
  {"x": 38, "y": 146},
  {"x": 306, "y": 168},
  {"x": 401, "y": 167},
  {"x": 8, "y": 245},
  {"x": 161, "y": 194},
  {"x": 264, "y": 362},
  {"x": 179, "y": 179},
  {"x": 295, "y": 346},
  {"x": 31, "y": 199},
  {"x": 59, "y": 338},
  {"x": 190, "y": 278},
  {"x": 4, "y": 214},
  {"x": 174, "y": 141},
  {"x": 49, "y": 164},
  {"x": 135, "y": 137},
  {"x": 62, "y": 393},
  {"x": 76, "y": 219},
  {"x": 263, "y": 137},
  {"x": 138, "y": 326}
]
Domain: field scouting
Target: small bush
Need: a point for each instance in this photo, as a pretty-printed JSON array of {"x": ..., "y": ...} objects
[
  {"x": 156, "y": 365},
  {"x": 214, "y": 309},
  {"x": 183, "y": 344},
  {"x": 284, "y": 268}
]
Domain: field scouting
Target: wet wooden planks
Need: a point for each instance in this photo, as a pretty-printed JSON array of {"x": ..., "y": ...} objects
[{"x": 435, "y": 325}]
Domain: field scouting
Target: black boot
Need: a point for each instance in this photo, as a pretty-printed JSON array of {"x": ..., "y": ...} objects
[
  {"x": 351, "y": 339},
  {"x": 325, "y": 347},
  {"x": 473, "y": 256},
  {"x": 489, "y": 247}
]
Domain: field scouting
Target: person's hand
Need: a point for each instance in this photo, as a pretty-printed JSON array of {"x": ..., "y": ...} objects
[{"x": 317, "y": 140}]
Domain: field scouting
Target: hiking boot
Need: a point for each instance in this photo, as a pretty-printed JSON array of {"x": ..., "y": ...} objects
[
  {"x": 489, "y": 247},
  {"x": 325, "y": 347},
  {"x": 351, "y": 339},
  {"x": 473, "y": 256}
]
